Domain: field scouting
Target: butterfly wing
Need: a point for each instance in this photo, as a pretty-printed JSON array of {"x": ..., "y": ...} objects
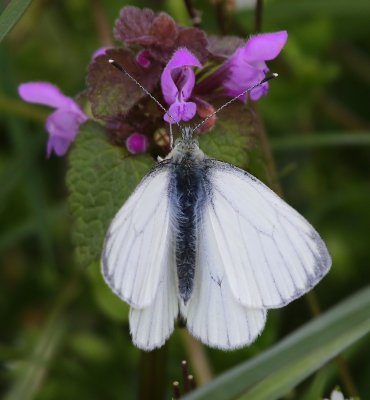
[
  {"x": 151, "y": 326},
  {"x": 270, "y": 254},
  {"x": 135, "y": 251},
  {"x": 213, "y": 315}
]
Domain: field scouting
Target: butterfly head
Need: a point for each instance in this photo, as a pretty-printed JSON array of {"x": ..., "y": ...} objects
[
  {"x": 186, "y": 133},
  {"x": 186, "y": 147}
]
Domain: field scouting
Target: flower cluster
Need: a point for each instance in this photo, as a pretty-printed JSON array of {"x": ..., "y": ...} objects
[{"x": 162, "y": 56}]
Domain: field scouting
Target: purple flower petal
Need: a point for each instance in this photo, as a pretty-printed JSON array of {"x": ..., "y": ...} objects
[
  {"x": 266, "y": 46},
  {"x": 99, "y": 52},
  {"x": 246, "y": 67},
  {"x": 259, "y": 91},
  {"x": 62, "y": 127},
  {"x": 180, "y": 111},
  {"x": 241, "y": 77},
  {"x": 137, "y": 143},
  {"x": 178, "y": 70},
  {"x": 47, "y": 94},
  {"x": 58, "y": 145}
]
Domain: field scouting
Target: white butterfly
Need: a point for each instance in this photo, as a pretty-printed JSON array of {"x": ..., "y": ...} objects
[{"x": 205, "y": 240}]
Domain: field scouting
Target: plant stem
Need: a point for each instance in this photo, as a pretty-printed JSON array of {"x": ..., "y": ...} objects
[
  {"x": 193, "y": 13},
  {"x": 258, "y": 16},
  {"x": 19, "y": 108},
  {"x": 152, "y": 374},
  {"x": 198, "y": 358},
  {"x": 102, "y": 25},
  {"x": 222, "y": 17},
  {"x": 311, "y": 298}
]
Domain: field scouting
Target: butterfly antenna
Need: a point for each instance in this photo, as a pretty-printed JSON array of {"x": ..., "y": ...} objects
[
  {"x": 122, "y": 69},
  {"x": 267, "y": 78}
]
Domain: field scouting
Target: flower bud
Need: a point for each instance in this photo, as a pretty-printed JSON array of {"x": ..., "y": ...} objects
[
  {"x": 137, "y": 143},
  {"x": 204, "y": 110}
]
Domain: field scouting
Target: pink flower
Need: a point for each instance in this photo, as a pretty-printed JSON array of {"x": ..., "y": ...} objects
[
  {"x": 137, "y": 143},
  {"x": 177, "y": 82},
  {"x": 62, "y": 124},
  {"x": 247, "y": 65}
]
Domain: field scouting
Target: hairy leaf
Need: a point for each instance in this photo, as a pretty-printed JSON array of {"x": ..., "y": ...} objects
[
  {"x": 222, "y": 47},
  {"x": 193, "y": 39},
  {"x": 100, "y": 179},
  {"x": 143, "y": 27},
  {"x": 158, "y": 33},
  {"x": 112, "y": 94},
  {"x": 232, "y": 137}
]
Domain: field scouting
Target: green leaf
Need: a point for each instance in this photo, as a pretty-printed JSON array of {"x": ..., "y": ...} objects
[
  {"x": 232, "y": 137},
  {"x": 316, "y": 389},
  {"x": 279, "y": 369},
  {"x": 109, "y": 303},
  {"x": 324, "y": 139},
  {"x": 100, "y": 179},
  {"x": 11, "y": 15},
  {"x": 90, "y": 346},
  {"x": 32, "y": 372}
]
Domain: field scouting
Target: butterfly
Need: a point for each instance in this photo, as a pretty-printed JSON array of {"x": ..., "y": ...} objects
[{"x": 205, "y": 241}]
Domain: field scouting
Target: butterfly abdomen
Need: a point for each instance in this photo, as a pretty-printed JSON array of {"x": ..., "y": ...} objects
[{"x": 187, "y": 200}]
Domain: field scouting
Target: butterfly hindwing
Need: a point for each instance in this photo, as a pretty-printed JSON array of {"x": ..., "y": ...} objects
[
  {"x": 213, "y": 314},
  {"x": 151, "y": 326}
]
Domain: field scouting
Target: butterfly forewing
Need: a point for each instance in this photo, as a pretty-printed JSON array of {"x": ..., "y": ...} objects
[
  {"x": 135, "y": 253},
  {"x": 270, "y": 253}
]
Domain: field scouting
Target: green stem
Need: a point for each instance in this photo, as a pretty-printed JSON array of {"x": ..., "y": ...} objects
[
  {"x": 21, "y": 109},
  {"x": 35, "y": 369},
  {"x": 198, "y": 358},
  {"x": 193, "y": 13},
  {"x": 311, "y": 297},
  {"x": 258, "y": 16},
  {"x": 102, "y": 24},
  {"x": 152, "y": 374}
]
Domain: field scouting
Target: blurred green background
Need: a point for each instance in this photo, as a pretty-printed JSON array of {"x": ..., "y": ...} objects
[{"x": 63, "y": 335}]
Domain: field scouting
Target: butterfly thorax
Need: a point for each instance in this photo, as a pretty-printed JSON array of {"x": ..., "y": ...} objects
[{"x": 187, "y": 195}]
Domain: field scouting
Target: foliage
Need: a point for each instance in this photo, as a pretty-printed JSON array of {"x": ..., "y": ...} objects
[{"x": 100, "y": 179}]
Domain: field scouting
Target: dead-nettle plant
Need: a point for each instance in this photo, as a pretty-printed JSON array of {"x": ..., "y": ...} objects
[
  {"x": 115, "y": 131},
  {"x": 182, "y": 67}
]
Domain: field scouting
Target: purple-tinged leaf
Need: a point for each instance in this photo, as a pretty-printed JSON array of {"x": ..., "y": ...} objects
[
  {"x": 222, "y": 47},
  {"x": 113, "y": 94},
  {"x": 143, "y": 27}
]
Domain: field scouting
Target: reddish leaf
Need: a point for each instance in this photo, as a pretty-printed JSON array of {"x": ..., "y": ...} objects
[
  {"x": 223, "y": 47},
  {"x": 143, "y": 27},
  {"x": 165, "y": 30},
  {"x": 194, "y": 40},
  {"x": 112, "y": 94},
  {"x": 159, "y": 34}
]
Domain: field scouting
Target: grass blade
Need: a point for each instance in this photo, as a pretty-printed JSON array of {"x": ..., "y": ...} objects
[
  {"x": 314, "y": 140},
  {"x": 11, "y": 15},
  {"x": 295, "y": 357},
  {"x": 36, "y": 367}
]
